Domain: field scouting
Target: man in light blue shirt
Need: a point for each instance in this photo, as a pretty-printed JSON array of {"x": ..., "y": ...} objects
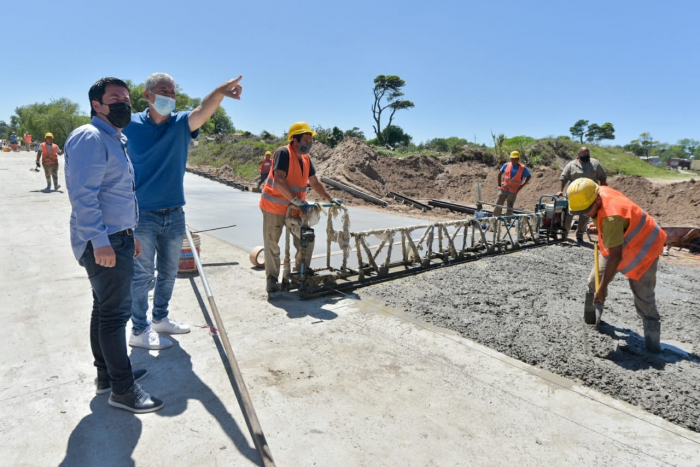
[
  {"x": 158, "y": 140},
  {"x": 100, "y": 183}
]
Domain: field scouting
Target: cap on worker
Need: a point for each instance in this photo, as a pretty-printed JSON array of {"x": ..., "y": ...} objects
[
  {"x": 299, "y": 128},
  {"x": 47, "y": 135},
  {"x": 268, "y": 153},
  {"x": 582, "y": 193},
  {"x": 515, "y": 155}
]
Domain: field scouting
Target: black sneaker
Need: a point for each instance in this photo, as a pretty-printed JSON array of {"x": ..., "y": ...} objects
[
  {"x": 103, "y": 387},
  {"x": 136, "y": 400}
]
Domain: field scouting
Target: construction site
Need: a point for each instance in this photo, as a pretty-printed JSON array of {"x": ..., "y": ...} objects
[{"x": 429, "y": 331}]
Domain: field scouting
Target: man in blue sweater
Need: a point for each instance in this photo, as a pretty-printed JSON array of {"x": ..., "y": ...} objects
[{"x": 158, "y": 139}]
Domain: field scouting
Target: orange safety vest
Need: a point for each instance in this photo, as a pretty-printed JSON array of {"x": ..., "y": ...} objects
[
  {"x": 265, "y": 166},
  {"x": 47, "y": 158},
  {"x": 271, "y": 199},
  {"x": 27, "y": 138},
  {"x": 510, "y": 183},
  {"x": 644, "y": 239}
]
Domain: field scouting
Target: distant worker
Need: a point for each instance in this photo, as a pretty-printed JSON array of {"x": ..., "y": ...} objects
[
  {"x": 158, "y": 139},
  {"x": 14, "y": 142},
  {"x": 630, "y": 242},
  {"x": 510, "y": 182},
  {"x": 49, "y": 152},
  {"x": 291, "y": 173},
  {"x": 28, "y": 141},
  {"x": 100, "y": 183},
  {"x": 581, "y": 167},
  {"x": 264, "y": 168}
]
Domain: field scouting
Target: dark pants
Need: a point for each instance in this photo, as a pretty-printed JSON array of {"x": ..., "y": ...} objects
[{"x": 111, "y": 309}]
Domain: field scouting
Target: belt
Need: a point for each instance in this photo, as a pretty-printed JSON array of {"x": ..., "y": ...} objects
[
  {"x": 167, "y": 209},
  {"x": 129, "y": 232}
]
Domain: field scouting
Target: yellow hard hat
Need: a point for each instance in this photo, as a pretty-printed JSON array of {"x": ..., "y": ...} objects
[
  {"x": 299, "y": 128},
  {"x": 268, "y": 153},
  {"x": 47, "y": 135},
  {"x": 515, "y": 155},
  {"x": 582, "y": 194}
]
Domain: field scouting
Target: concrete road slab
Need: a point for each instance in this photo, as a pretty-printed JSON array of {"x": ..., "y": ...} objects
[{"x": 336, "y": 381}]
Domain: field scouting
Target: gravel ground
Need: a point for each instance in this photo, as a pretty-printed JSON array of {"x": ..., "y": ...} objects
[{"x": 529, "y": 305}]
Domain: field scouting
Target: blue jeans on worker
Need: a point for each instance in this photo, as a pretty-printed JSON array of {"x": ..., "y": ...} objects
[
  {"x": 111, "y": 309},
  {"x": 160, "y": 233}
]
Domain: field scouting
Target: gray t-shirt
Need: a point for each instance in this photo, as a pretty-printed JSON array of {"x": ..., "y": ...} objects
[{"x": 576, "y": 169}]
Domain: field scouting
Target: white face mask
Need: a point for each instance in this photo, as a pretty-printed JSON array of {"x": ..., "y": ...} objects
[{"x": 163, "y": 104}]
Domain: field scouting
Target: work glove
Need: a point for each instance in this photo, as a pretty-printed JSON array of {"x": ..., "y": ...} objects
[{"x": 337, "y": 201}]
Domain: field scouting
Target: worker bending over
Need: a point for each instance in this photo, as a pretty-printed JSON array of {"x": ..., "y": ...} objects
[
  {"x": 49, "y": 152},
  {"x": 630, "y": 242},
  {"x": 510, "y": 182},
  {"x": 286, "y": 184}
]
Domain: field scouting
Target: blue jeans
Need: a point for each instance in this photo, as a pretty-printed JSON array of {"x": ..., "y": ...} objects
[
  {"x": 160, "y": 234},
  {"x": 111, "y": 308}
]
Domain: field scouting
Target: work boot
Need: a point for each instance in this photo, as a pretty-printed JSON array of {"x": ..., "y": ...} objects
[
  {"x": 272, "y": 285},
  {"x": 652, "y": 335},
  {"x": 136, "y": 400},
  {"x": 579, "y": 239},
  {"x": 589, "y": 309}
]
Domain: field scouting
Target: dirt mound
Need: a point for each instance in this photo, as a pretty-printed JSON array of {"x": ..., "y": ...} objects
[{"x": 453, "y": 178}]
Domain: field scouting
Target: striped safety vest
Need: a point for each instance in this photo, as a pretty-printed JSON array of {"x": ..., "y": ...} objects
[
  {"x": 644, "y": 239},
  {"x": 511, "y": 183},
  {"x": 271, "y": 199},
  {"x": 49, "y": 158}
]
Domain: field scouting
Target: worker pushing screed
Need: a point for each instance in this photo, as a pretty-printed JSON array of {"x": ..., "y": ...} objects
[
  {"x": 291, "y": 173},
  {"x": 630, "y": 242}
]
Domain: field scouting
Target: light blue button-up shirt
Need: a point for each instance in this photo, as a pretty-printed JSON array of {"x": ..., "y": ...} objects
[{"x": 100, "y": 183}]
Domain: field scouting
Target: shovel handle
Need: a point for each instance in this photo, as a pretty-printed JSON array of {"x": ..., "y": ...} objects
[{"x": 597, "y": 271}]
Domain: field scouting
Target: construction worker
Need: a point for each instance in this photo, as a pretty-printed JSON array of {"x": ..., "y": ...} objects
[
  {"x": 157, "y": 140},
  {"x": 28, "y": 141},
  {"x": 581, "y": 167},
  {"x": 286, "y": 184},
  {"x": 510, "y": 182},
  {"x": 265, "y": 167},
  {"x": 630, "y": 241},
  {"x": 49, "y": 152}
]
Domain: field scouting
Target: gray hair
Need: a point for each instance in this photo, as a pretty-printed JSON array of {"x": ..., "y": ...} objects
[{"x": 156, "y": 78}]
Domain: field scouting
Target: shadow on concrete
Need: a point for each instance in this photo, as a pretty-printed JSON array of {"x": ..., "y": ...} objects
[
  {"x": 297, "y": 308},
  {"x": 239, "y": 439},
  {"x": 107, "y": 436},
  {"x": 630, "y": 352}
]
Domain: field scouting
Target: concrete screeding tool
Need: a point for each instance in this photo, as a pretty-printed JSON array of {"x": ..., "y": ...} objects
[{"x": 246, "y": 403}]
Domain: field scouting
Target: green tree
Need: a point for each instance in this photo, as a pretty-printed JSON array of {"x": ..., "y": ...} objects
[
  {"x": 218, "y": 123},
  {"x": 667, "y": 151},
  {"x": 445, "y": 144},
  {"x": 329, "y": 136},
  {"x": 58, "y": 117},
  {"x": 387, "y": 95},
  {"x": 355, "y": 132},
  {"x": 598, "y": 133},
  {"x": 643, "y": 145},
  {"x": 5, "y": 130},
  {"x": 394, "y": 136},
  {"x": 579, "y": 130},
  {"x": 690, "y": 146}
]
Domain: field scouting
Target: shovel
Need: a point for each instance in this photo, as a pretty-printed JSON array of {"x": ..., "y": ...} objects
[{"x": 598, "y": 305}]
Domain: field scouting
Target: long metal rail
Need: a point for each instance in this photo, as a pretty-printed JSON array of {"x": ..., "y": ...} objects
[
  {"x": 354, "y": 191},
  {"x": 406, "y": 199},
  {"x": 251, "y": 417},
  {"x": 455, "y": 207}
]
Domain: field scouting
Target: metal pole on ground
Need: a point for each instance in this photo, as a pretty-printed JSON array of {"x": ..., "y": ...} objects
[{"x": 246, "y": 403}]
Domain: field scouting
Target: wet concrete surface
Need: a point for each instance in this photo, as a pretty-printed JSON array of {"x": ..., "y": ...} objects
[{"x": 529, "y": 305}]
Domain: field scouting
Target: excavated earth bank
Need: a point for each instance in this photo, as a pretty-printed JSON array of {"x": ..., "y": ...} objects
[{"x": 529, "y": 305}]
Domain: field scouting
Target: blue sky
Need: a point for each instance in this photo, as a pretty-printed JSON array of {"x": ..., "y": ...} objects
[{"x": 514, "y": 67}]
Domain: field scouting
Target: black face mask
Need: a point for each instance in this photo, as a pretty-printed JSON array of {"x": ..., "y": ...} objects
[
  {"x": 119, "y": 114},
  {"x": 585, "y": 158}
]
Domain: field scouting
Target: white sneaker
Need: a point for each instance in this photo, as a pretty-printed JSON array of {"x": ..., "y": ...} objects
[
  {"x": 149, "y": 339},
  {"x": 170, "y": 326}
]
